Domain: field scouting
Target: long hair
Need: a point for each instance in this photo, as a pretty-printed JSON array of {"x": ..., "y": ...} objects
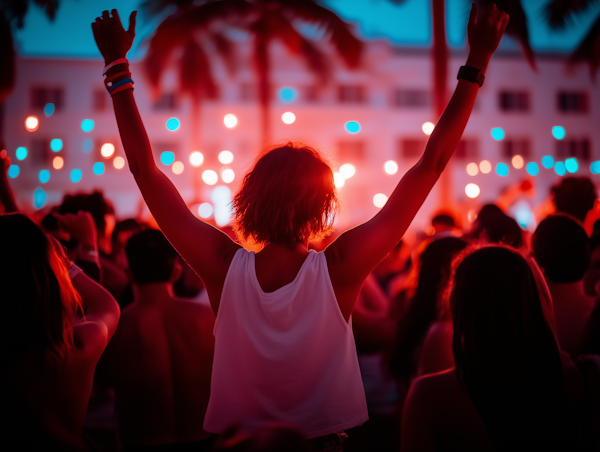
[
  {"x": 38, "y": 299},
  {"x": 288, "y": 197},
  {"x": 505, "y": 352}
]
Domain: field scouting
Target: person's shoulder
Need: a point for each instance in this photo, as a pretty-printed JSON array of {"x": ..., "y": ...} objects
[
  {"x": 90, "y": 339},
  {"x": 433, "y": 384}
]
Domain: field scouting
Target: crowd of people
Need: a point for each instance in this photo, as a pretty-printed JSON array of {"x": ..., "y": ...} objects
[{"x": 120, "y": 335}]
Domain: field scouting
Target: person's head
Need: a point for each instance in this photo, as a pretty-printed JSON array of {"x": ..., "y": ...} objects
[
  {"x": 443, "y": 223},
  {"x": 574, "y": 196},
  {"x": 38, "y": 299},
  {"x": 151, "y": 258},
  {"x": 94, "y": 203},
  {"x": 562, "y": 249},
  {"x": 287, "y": 198},
  {"x": 494, "y": 226}
]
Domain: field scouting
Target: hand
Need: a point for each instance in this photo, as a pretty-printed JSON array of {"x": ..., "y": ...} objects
[
  {"x": 111, "y": 38},
  {"x": 80, "y": 226},
  {"x": 484, "y": 35}
]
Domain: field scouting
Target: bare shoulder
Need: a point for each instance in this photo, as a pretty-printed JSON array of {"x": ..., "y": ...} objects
[{"x": 90, "y": 338}]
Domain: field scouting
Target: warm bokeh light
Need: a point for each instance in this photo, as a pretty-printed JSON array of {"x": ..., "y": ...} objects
[
  {"x": 379, "y": 200},
  {"x": 472, "y": 190},
  {"x": 177, "y": 167},
  {"x": 472, "y": 169},
  {"x": 210, "y": 177},
  {"x": 427, "y": 128},
  {"x": 338, "y": 180},
  {"x": 107, "y": 150},
  {"x": 205, "y": 210},
  {"x": 228, "y": 175},
  {"x": 485, "y": 166},
  {"x": 58, "y": 162},
  {"x": 119, "y": 162},
  {"x": 230, "y": 120},
  {"x": 32, "y": 123},
  {"x": 225, "y": 157},
  {"x": 347, "y": 170},
  {"x": 196, "y": 159},
  {"x": 3, "y": 154},
  {"x": 390, "y": 167},
  {"x": 288, "y": 117},
  {"x": 517, "y": 161}
]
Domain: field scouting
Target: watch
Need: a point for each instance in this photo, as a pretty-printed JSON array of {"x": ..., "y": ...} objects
[{"x": 471, "y": 74}]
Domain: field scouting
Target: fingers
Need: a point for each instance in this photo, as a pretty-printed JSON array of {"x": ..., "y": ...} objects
[
  {"x": 504, "y": 23},
  {"x": 105, "y": 15},
  {"x": 472, "y": 16},
  {"x": 132, "y": 20}
]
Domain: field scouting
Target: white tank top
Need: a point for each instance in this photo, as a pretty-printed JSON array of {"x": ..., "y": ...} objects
[{"x": 287, "y": 355}]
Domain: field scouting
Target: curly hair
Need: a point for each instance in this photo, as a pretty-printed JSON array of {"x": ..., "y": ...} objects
[{"x": 288, "y": 197}]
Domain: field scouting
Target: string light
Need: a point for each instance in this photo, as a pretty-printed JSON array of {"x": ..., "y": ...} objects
[
  {"x": 196, "y": 159},
  {"x": 32, "y": 123},
  {"x": 225, "y": 157}
]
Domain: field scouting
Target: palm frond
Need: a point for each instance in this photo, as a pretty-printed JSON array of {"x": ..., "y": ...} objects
[
  {"x": 195, "y": 76},
  {"x": 7, "y": 56},
  {"x": 50, "y": 7},
  {"x": 560, "y": 12},
  {"x": 225, "y": 48},
  {"x": 589, "y": 50}
]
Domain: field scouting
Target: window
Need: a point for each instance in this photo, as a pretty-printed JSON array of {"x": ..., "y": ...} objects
[
  {"x": 411, "y": 98},
  {"x": 411, "y": 148},
  {"x": 351, "y": 151},
  {"x": 167, "y": 101},
  {"x": 467, "y": 149},
  {"x": 41, "y": 154},
  {"x": 248, "y": 92},
  {"x": 514, "y": 101},
  {"x": 512, "y": 147},
  {"x": 573, "y": 102},
  {"x": 100, "y": 99},
  {"x": 351, "y": 94},
  {"x": 42, "y": 96},
  {"x": 311, "y": 93},
  {"x": 578, "y": 148}
]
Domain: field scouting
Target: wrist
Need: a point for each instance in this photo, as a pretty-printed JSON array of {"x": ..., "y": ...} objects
[{"x": 478, "y": 61}]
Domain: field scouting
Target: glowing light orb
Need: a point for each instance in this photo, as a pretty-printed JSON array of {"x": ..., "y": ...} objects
[
  {"x": 379, "y": 200},
  {"x": 427, "y": 128},
  {"x": 338, "y": 180},
  {"x": 518, "y": 162},
  {"x": 173, "y": 124},
  {"x": 287, "y": 94},
  {"x": 87, "y": 146},
  {"x": 560, "y": 168},
  {"x": 498, "y": 134},
  {"x": 177, "y": 167},
  {"x": 230, "y": 121},
  {"x": 558, "y": 132},
  {"x": 58, "y": 162},
  {"x": 3, "y": 154},
  {"x": 56, "y": 144},
  {"x": 167, "y": 158},
  {"x": 119, "y": 162},
  {"x": 39, "y": 198},
  {"x": 523, "y": 217},
  {"x": 502, "y": 169},
  {"x": 196, "y": 159},
  {"x": 32, "y": 123},
  {"x": 547, "y": 161},
  {"x": 205, "y": 210},
  {"x": 571, "y": 165},
  {"x": 21, "y": 153},
  {"x": 225, "y": 157},
  {"x": 210, "y": 177},
  {"x": 347, "y": 170},
  {"x": 595, "y": 167},
  {"x": 390, "y": 167},
  {"x": 221, "y": 198},
  {"x": 44, "y": 176},
  {"x": 75, "y": 175},
  {"x": 49, "y": 109},
  {"x": 532, "y": 168},
  {"x": 485, "y": 166},
  {"x": 352, "y": 127},
  {"x": 87, "y": 125},
  {"x": 107, "y": 150},
  {"x": 98, "y": 168},
  {"x": 288, "y": 117},
  {"x": 13, "y": 171},
  {"x": 472, "y": 169},
  {"x": 472, "y": 190},
  {"x": 228, "y": 175}
]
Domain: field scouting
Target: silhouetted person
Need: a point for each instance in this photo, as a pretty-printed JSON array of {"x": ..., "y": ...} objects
[
  {"x": 494, "y": 226},
  {"x": 160, "y": 360},
  {"x": 574, "y": 196}
]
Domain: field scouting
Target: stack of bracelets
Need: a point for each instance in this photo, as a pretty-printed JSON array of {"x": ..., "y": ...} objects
[{"x": 120, "y": 80}]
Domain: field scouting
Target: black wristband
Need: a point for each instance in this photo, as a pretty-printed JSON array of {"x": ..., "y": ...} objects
[{"x": 471, "y": 74}]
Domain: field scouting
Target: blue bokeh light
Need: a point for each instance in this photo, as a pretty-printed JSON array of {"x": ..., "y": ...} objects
[
  {"x": 21, "y": 153},
  {"x": 56, "y": 144},
  {"x": 87, "y": 125},
  {"x": 560, "y": 168},
  {"x": 547, "y": 161},
  {"x": 571, "y": 165},
  {"x": 44, "y": 176},
  {"x": 13, "y": 171},
  {"x": 75, "y": 175},
  {"x": 595, "y": 167},
  {"x": 173, "y": 124},
  {"x": 523, "y": 216},
  {"x": 502, "y": 169},
  {"x": 87, "y": 146},
  {"x": 39, "y": 198},
  {"x": 287, "y": 94},
  {"x": 49, "y": 109},
  {"x": 497, "y": 134},
  {"x": 352, "y": 127},
  {"x": 98, "y": 168},
  {"x": 167, "y": 158},
  {"x": 558, "y": 132},
  {"x": 533, "y": 168}
]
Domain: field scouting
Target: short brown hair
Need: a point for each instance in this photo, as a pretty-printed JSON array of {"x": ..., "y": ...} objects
[{"x": 288, "y": 197}]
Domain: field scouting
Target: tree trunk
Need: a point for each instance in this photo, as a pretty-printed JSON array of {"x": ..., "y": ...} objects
[
  {"x": 261, "y": 60},
  {"x": 440, "y": 92}
]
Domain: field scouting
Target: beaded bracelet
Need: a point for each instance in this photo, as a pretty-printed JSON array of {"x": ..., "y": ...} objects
[
  {"x": 122, "y": 88},
  {"x": 119, "y": 83},
  {"x": 114, "y": 63}
]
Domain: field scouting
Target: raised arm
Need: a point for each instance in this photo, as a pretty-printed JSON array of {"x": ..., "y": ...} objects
[
  {"x": 205, "y": 248},
  {"x": 356, "y": 252}
]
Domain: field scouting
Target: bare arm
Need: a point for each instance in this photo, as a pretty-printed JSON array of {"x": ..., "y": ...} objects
[{"x": 207, "y": 250}]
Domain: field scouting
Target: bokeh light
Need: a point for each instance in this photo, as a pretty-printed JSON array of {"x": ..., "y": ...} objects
[
  {"x": 75, "y": 175},
  {"x": 49, "y": 109},
  {"x": 228, "y": 175},
  {"x": 547, "y": 161},
  {"x": 205, "y": 210},
  {"x": 352, "y": 127},
  {"x": 595, "y": 167},
  {"x": 177, "y": 167},
  {"x": 497, "y": 134},
  {"x": 56, "y": 144},
  {"x": 98, "y": 168},
  {"x": 13, "y": 171},
  {"x": 347, "y": 170},
  {"x": 87, "y": 125},
  {"x": 39, "y": 198},
  {"x": 472, "y": 169},
  {"x": 3, "y": 154},
  {"x": 167, "y": 158},
  {"x": 32, "y": 123},
  {"x": 571, "y": 165},
  {"x": 196, "y": 159},
  {"x": 517, "y": 162},
  {"x": 379, "y": 200},
  {"x": 558, "y": 132},
  {"x": 210, "y": 177},
  {"x": 173, "y": 124},
  {"x": 523, "y": 216},
  {"x": 427, "y": 128},
  {"x": 230, "y": 120},
  {"x": 21, "y": 153},
  {"x": 472, "y": 190},
  {"x": 390, "y": 167},
  {"x": 533, "y": 168},
  {"x": 560, "y": 168},
  {"x": 221, "y": 198},
  {"x": 288, "y": 117},
  {"x": 338, "y": 180},
  {"x": 287, "y": 94},
  {"x": 44, "y": 176},
  {"x": 87, "y": 146},
  {"x": 225, "y": 157},
  {"x": 502, "y": 169},
  {"x": 107, "y": 150},
  {"x": 485, "y": 166},
  {"x": 119, "y": 162},
  {"x": 58, "y": 162}
]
